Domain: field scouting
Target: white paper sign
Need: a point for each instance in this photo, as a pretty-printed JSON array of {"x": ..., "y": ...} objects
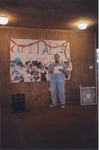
[
  {"x": 56, "y": 69},
  {"x": 30, "y": 59}
]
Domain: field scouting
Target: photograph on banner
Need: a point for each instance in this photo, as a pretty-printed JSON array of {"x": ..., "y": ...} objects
[{"x": 29, "y": 59}]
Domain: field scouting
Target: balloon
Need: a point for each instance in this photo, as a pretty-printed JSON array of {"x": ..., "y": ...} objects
[{"x": 17, "y": 59}]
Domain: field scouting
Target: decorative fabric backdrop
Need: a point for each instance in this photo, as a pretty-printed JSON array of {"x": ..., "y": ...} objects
[{"x": 29, "y": 59}]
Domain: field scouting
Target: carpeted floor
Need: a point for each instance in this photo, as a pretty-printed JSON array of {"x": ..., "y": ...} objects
[{"x": 75, "y": 127}]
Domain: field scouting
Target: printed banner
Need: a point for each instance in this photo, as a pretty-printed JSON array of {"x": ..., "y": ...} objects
[{"x": 29, "y": 59}]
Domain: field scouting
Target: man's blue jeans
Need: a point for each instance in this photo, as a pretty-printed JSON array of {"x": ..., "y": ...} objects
[{"x": 60, "y": 86}]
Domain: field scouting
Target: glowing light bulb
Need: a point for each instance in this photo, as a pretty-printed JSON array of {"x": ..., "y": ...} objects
[
  {"x": 82, "y": 26},
  {"x": 3, "y": 20}
]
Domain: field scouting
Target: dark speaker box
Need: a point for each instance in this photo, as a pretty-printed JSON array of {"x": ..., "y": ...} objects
[{"x": 18, "y": 103}]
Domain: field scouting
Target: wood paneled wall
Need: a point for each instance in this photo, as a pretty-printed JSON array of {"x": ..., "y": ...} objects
[{"x": 82, "y": 44}]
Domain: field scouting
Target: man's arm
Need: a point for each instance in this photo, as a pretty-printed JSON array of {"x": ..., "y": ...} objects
[
  {"x": 64, "y": 71},
  {"x": 51, "y": 68}
]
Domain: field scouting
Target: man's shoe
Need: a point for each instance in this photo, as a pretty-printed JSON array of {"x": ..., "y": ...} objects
[
  {"x": 52, "y": 106},
  {"x": 62, "y": 106}
]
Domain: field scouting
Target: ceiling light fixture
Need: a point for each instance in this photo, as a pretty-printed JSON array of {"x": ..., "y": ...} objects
[
  {"x": 3, "y": 20},
  {"x": 82, "y": 26}
]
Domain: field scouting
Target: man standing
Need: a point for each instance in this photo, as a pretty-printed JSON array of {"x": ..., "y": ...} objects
[{"x": 57, "y": 73}]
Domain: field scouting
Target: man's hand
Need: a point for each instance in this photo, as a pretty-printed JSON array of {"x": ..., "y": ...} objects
[{"x": 62, "y": 70}]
